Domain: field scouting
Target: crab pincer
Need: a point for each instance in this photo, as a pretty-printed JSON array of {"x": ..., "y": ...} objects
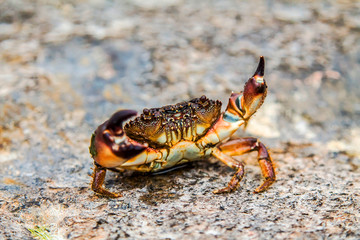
[{"x": 110, "y": 148}]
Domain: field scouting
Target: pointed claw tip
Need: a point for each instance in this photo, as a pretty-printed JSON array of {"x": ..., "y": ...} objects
[
  {"x": 116, "y": 120},
  {"x": 261, "y": 68}
]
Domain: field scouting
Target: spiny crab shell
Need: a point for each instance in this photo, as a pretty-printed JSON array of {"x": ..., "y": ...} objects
[
  {"x": 168, "y": 125},
  {"x": 161, "y": 138}
]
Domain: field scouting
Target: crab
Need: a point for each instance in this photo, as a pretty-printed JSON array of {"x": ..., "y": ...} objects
[{"x": 161, "y": 138}]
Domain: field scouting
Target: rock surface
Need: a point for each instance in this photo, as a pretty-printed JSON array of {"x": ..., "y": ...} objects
[{"x": 66, "y": 67}]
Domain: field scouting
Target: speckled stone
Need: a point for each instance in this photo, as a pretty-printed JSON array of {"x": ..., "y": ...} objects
[{"x": 66, "y": 67}]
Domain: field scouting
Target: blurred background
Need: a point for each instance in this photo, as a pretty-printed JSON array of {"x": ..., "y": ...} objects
[{"x": 66, "y": 66}]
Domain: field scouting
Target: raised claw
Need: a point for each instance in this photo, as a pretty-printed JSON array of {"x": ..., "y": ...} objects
[
  {"x": 244, "y": 104},
  {"x": 254, "y": 91}
]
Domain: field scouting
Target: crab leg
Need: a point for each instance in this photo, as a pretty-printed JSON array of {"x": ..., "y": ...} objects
[
  {"x": 98, "y": 181},
  {"x": 244, "y": 145},
  {"x": 231, "y": 162}
]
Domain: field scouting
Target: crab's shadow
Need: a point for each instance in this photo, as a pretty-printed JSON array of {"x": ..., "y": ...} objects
[{"x": 167, "y": 185}]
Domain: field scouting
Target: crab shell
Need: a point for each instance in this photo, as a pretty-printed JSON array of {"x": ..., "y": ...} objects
[{"x": 166, "y": 126}]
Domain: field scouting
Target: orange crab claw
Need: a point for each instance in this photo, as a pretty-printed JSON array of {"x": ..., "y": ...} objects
[
  {"x": 244, "y": 104},
  {"x": 254, "y": 91},
  {"x": 110, "y": 147}
]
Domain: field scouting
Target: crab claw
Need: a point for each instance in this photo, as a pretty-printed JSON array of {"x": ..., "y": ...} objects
[
  {"x": 110, "y": 147},
  {"x": 244, "y": 104},
  {"x": 254, "y": 91}
]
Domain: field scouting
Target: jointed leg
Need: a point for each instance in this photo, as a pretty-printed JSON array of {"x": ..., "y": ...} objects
[
  {"x": 231, "y": 162},
  {"x": 245, "y": 145},
  {"x": 267, "y": 168},
  {"x": 98, "y": 181}
]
